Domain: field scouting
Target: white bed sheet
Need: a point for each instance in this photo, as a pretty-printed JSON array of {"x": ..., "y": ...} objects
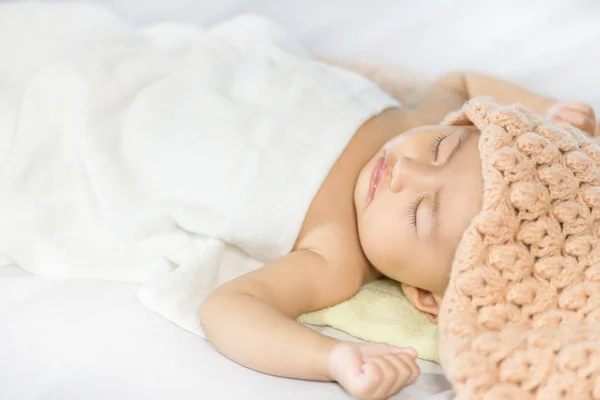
[{"x": 94, "y": 340}]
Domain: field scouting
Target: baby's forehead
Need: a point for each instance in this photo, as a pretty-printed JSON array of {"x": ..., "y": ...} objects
[{"x": 420, "y": 132}]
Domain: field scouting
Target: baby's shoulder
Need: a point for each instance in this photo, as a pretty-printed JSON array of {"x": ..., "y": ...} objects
[
  {"x": 340, "y": 247},
  {"x": 330, "y": 230}
]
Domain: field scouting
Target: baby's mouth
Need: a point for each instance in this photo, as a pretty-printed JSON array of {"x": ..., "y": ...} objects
[{"x": 376, "y": 176}]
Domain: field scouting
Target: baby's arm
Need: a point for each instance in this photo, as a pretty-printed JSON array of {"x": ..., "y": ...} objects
[
  {"x": 449, "y": 92},
  {"x": 452, "y": 90},
  {"x": 473, "y": 84},
  {"x": 251, "y": 320}
]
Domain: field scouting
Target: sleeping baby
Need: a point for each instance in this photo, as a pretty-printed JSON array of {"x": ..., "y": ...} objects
[{"x": 241, "y": 180}]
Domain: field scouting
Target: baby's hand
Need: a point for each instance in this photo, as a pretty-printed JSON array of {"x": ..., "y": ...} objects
[
  {"x": 372, "y": 371},
  {"x": 577, "y": 114}
]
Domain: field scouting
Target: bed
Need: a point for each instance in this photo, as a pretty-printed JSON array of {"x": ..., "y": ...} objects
[{"x": 94, "y": 340}]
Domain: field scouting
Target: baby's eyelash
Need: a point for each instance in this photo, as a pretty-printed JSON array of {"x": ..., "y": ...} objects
[
  {"x": 435, "y": 146},
  {"x": 412, "y": 212}
]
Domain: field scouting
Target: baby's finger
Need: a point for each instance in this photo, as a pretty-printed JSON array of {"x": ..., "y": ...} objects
[
  {"x": 571, "y": 116},
  {"x": 414, "y": 367},
  {"x": 370, "y": 379},
  {"x": 576, "y": 106},
  {"x": 576, "y": 119},
  {"x": 389, "y": 377},
  {"x": 580, "y": 107},
  {"x": 370, "y": 350},
  {"x": 403, "y": 363}
]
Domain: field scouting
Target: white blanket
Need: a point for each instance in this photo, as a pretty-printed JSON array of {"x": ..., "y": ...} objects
[
  {"x": 89, "y": 187},
  {"x": 167, "y": 155}
]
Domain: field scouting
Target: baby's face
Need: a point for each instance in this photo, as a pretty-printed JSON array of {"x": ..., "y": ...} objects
[{"x": 415, "y": 198}]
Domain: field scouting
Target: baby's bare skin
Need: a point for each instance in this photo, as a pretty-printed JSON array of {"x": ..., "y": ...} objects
[
  {"x": 252, "y": 319},
  {"x": 577, "y": 114}
]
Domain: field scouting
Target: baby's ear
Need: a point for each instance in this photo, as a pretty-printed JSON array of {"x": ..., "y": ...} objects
[{"x": 424, "y": 301}]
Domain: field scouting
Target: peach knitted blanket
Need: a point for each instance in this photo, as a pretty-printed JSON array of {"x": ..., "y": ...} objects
[{"x": 521, "y": 316}]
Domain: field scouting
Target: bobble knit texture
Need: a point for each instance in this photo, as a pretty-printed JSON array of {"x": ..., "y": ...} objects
[{"x": 521, "y": 316}]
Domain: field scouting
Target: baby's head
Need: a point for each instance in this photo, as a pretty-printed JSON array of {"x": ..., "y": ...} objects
[{"x": 414, "y": 199}]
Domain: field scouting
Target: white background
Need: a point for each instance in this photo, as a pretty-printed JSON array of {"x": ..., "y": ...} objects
[{"x": 551, "y": 46}]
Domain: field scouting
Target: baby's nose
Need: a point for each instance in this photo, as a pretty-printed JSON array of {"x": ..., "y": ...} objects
[{"x": 408, "y": 173}]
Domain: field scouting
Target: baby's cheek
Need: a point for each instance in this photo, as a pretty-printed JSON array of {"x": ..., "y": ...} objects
[{"x": 381, "y": 245}]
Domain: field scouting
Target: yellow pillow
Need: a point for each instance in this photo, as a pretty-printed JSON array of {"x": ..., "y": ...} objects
[{"x": 381, "y": 313}]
